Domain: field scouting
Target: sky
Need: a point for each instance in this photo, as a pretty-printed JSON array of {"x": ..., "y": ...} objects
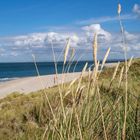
[{"x": 36, "y": 26}]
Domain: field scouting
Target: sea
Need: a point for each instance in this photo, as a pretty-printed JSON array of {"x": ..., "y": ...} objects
[{"x": 12, "y": 71}]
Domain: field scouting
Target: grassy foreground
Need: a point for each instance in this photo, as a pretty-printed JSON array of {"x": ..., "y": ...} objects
[{"x": 84, "y": 110}]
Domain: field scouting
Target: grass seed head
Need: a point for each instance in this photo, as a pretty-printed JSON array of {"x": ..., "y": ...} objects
[
  {"x": 115, "y": 72},
  {"x": 119, "y": 8},
  {"x": 66, "y": 51},
  {"x": 105, "y": 58},
  {"x": 95, "y": 49}
]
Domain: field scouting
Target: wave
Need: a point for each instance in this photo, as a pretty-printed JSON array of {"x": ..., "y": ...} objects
[{"x": 7, "y": 79}]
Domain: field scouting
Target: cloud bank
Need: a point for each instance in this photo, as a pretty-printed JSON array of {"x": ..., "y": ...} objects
[
  {"x": 136, "y": 9},
  {"x": 105, "y": 19},
  {"x": 21, "y": 47}
]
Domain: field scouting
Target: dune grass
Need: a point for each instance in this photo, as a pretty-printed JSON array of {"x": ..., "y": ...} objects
[
  {"x": 90, "y": 112},
  {"x": 103, "y": 105}
]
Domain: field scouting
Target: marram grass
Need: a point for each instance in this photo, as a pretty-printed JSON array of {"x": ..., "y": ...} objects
[
  {"x": 103, "y": 105},
  {"x": 22, "y": 118}
]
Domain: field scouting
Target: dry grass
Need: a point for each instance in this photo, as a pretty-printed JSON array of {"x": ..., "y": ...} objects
[
  {"x": 97, "y": 116},
  {"x": 103, "y": 105}
]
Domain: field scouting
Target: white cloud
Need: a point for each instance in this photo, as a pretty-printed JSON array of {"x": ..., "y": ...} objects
[
  {"x": 14, "y": 53},
  {"x": 96, "y": 28},
  {"x": 136, "y": 9},
  {"x": 40, "y": 43},
  {"x": 105, "y": 19},
  {"x": 130, "y": 37},
  {"x": 2, "y": 52},
  {"x": 39, "y": 40},
  {"x": 137, "y": 47}
]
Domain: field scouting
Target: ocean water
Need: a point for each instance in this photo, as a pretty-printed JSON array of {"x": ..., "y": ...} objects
[{"x": 11, "y": 71}]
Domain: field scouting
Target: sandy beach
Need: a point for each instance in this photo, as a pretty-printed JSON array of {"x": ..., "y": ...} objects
[{"x": 31, "y": 84}]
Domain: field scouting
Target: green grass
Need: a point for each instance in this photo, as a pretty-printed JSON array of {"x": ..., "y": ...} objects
[{"x": 89, "y": 114}]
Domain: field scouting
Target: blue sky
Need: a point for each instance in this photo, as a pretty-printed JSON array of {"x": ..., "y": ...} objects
[{"x": 25, "y": 25}]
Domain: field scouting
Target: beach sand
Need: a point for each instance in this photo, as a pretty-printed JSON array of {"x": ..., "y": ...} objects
[{"x": 31, "y": 84}]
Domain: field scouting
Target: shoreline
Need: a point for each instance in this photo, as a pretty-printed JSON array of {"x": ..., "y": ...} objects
[{"x": 31, "y": 84}]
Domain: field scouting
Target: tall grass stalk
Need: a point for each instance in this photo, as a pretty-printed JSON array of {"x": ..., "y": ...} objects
[
  {"x": 126, "y": 75},
  {"x": 114, "y": 74},
  {"x": 55, "y": 63},
  {"x": 129, "y": 63},
  {"x": 43, "y": 87},
  {"x": 121, "y": 76},
  {"x": 72, "y": 55},
  {"x": 102, "y": 114},
  {"x": 95, "y": 50},
  {"x": 66, "y": 51},
  {"x": 105, "y": 58}
]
